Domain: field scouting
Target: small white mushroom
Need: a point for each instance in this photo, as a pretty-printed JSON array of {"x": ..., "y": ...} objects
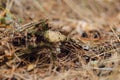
[{"x": 54, "y": 36}]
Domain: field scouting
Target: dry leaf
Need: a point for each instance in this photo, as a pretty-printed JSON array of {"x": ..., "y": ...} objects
[{"x": 31, "y": 67}]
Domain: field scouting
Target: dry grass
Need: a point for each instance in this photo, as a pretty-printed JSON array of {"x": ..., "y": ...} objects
[{"x": 90, "y": 52}]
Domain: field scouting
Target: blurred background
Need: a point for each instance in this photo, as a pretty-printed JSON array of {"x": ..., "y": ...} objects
[{"x": 92, "y": 11}]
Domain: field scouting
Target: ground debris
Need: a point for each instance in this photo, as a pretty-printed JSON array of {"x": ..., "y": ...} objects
[{"x": 80, "y": 41}]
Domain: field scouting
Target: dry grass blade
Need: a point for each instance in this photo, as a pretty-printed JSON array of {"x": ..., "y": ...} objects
[{"x": 116, "y": 35}]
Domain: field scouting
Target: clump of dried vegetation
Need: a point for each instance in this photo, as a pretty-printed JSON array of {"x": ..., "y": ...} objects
[{"x": 59, "y": 40}]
